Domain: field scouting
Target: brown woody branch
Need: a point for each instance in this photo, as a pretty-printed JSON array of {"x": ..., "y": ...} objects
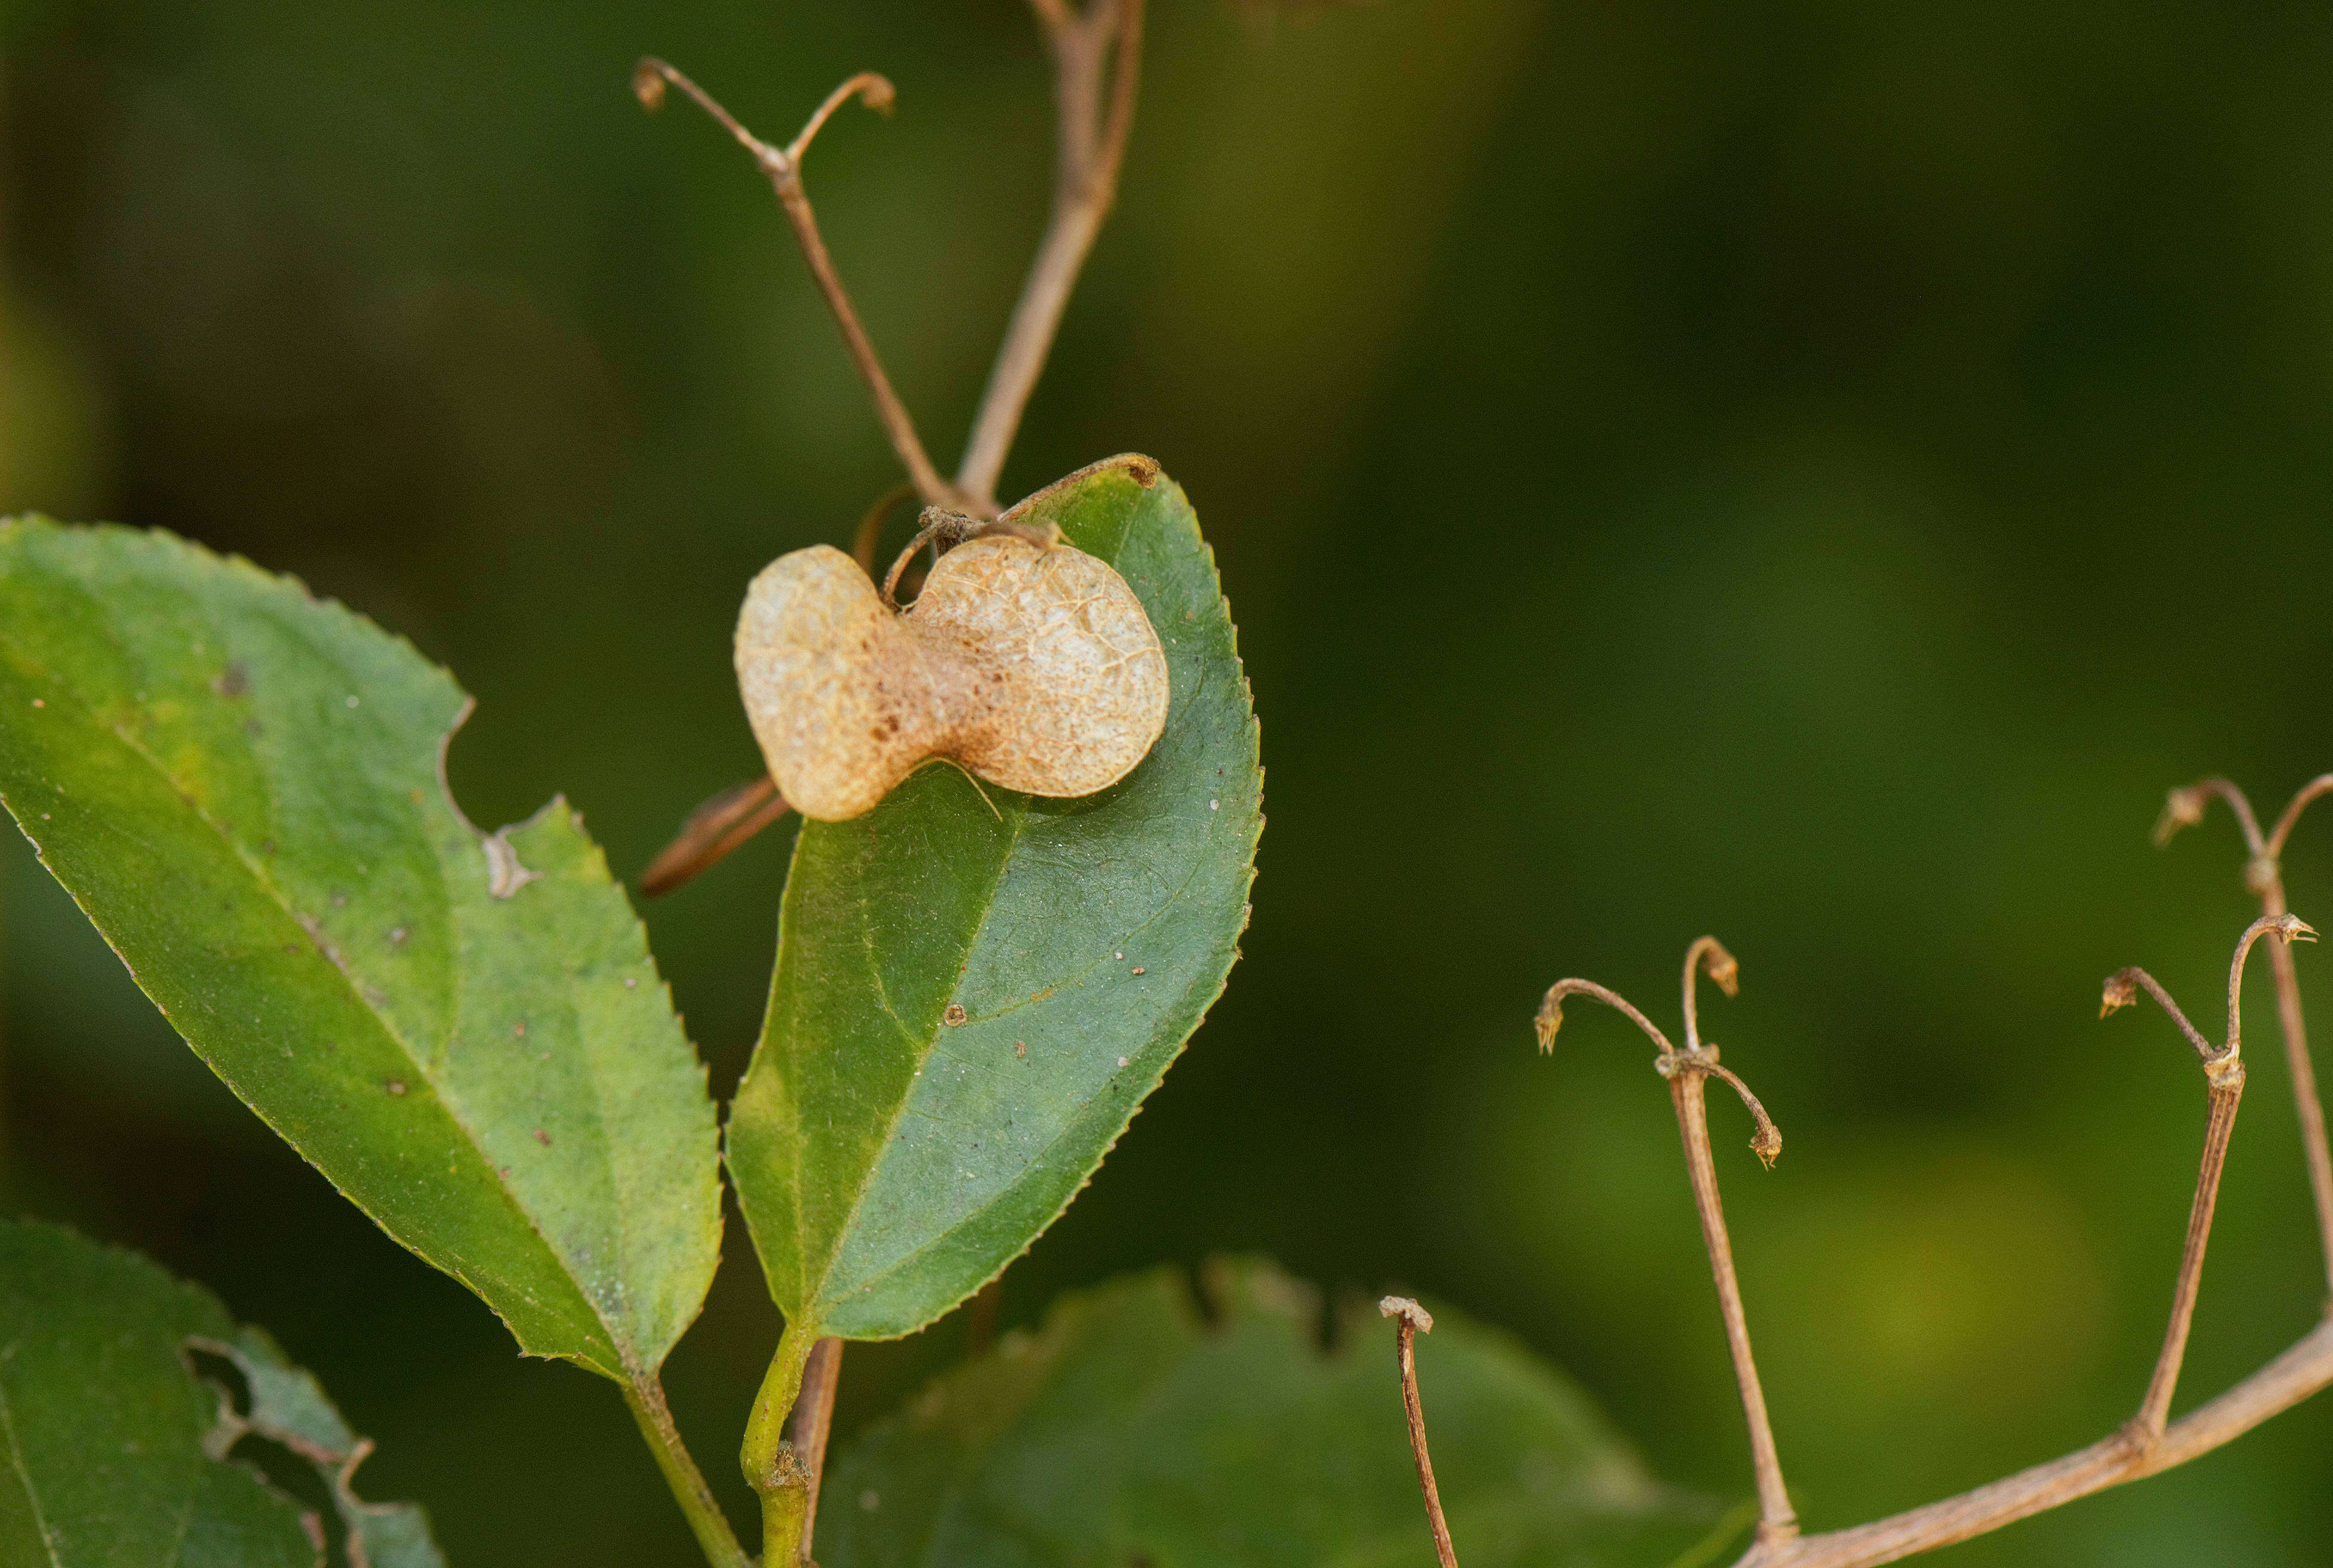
[
  {"x": 783, "y": 165},
  {"x": 2148, "y": 1443},
  {"x": 1410, "y": 1320},
  {"x": 1098, "y": 68},
  {"x": 2264, "y": 876},
  {"x": 812, "y": 1419},
  {"x": 1687, "y": 1072},
  {"x": 1090, "y": 148}
]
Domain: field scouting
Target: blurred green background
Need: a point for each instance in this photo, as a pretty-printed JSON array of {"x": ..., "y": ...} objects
[{"x": 1807, "y": 471}]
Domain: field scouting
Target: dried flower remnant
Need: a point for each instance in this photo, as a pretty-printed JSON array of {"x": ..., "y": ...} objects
[
  {"x": 1410, "y": 1320},
  {"x": 1033, "y": 666}
]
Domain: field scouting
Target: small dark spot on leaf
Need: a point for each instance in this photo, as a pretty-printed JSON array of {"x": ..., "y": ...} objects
[
  {"x": 253, "y": 728},
  {"x": 396, "y": 1086},
  {"x": 397, "y": 937},
  {"x": 543, "y": 1138},
  {"x": 267, "y": 846},
  {"x": 955, "y": 1013},
  {"x": 340, "y": 900},
  {"x": 232, "y": 681},
  {"x": 1020, "y": 1047},
  {"x": 416, "y": 793},
  {"x": 1137, "y": 969},
  {"x": 39, "y": 703},
  {"x": 630, "y": 982},
  {"x": 519, "y": 1029}
]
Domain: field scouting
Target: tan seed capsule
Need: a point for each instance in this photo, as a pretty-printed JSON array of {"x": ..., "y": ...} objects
[{"x": 1033, "y": 666}]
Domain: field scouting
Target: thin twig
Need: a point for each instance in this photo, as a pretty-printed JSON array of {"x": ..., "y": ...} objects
[
  {"x": 1776, "y": 1519},
  {"x": 1706, "y": 953},
  {"x": 808, "y": 1428},
  {"x": 1687, "y": 1073},
  {"x": 2184, "y": 808},
  {"x": 1410, "y": 1320},
  {"x": 2148, "y": 1443},
  {"x": 1551, "y": 1012},
  {"x": 2122, "y": 990},
  {"x": 2321, "y": 784},
  {"x": 2227, "y": 1087},
  {"x": 2264, "y": 876},
  {"x": 1091, "y": 147},
  {"x": 784, "y": 167},
  {"x": 870, "y": 527},
  {"x": 712, "y": 832},
  {"x": 2112, "y": 1461},
  {"x": 2223, "y": 1071}
]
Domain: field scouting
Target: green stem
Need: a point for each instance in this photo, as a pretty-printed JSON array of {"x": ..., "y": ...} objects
[
  {"x": 770, "y": 1466},
  {"x": 644, "y": 1397}
]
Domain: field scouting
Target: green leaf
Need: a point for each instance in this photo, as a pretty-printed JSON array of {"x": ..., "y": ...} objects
[
  {"x": 243, "y": 788},
  {"x": 889, "y": 1160},
  {"x": 288, "y": 1406},
  {"x": 1128, "y": 1430},
  {"x": 113, "y": 1451}
]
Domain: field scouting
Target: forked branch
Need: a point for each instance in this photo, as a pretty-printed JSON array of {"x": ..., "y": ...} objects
[
  {"x": 2148, "y": 1442},
  {"x": 783, "y": 165},
  {"x": 1687, "y": 1072},
  {"x": 1098, "y": 71},
  {"x": 2264, "y": 876}
]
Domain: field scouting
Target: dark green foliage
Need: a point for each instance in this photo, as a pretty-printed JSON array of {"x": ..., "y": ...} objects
[
  {"x": 1128, "y": 1430},
  {"x": 114, "y": 1453}
]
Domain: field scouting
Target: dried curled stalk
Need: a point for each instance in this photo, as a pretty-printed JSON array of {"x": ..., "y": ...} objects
[
  {"x": 2150, "y": 1441},
  {"x": 2264, "y": 876},
  {"x": 1686, "y": 1070}
]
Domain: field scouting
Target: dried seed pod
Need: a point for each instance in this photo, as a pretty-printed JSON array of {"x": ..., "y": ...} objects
[{"x": 1033, "y": 666}]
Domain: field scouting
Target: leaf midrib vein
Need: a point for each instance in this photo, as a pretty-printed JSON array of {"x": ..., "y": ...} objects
[{"x": 922, "y": 1048}]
